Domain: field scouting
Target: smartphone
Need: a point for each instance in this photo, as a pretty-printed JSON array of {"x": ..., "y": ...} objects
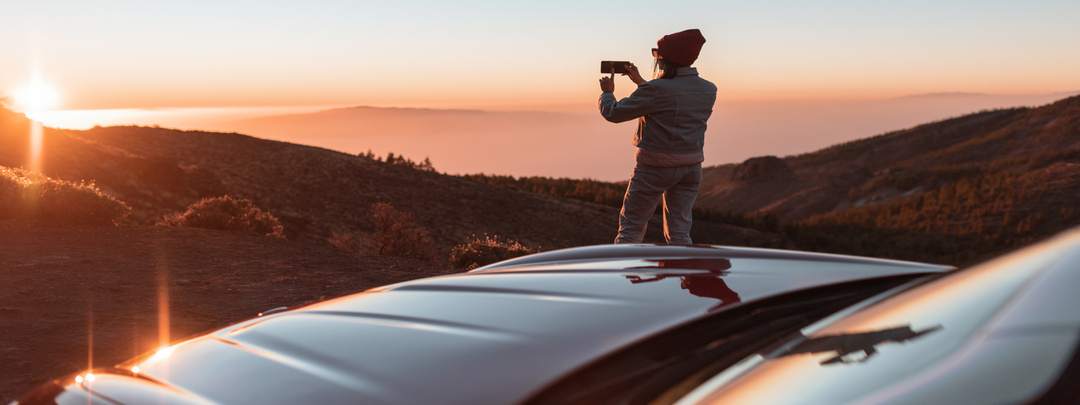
[{"x": 618, "y": 65}]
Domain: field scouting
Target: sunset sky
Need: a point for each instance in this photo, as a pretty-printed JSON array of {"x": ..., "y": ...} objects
[
  {"x": 509, "y": 55},
  {"x": 124, "y": 54}
]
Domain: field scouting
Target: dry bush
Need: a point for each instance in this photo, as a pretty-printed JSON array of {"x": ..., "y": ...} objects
[
  {"x": 28, "y": 195},
  {"x": 12, "y": 194},
  {"x": 484, "y": 251},
  {"x": 399, "y": 235},
  {"x": 227, "y": 213},
  {"x": 345, "y": 242},
  {"x": 79, "y": 204}
]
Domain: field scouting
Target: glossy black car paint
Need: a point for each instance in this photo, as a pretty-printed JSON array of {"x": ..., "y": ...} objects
[{"x": 497, "y": 335}]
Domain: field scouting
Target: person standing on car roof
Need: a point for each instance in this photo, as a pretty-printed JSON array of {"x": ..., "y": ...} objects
[{"x": 671, "y": 110}]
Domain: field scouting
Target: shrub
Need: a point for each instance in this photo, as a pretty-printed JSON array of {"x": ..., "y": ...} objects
[
  {"x": 12, "y": 193},
  {"x": 484, "y": 251},
  {"x": 344, "y": 242},
  {"x": 227, "y": 213},
  {"x": 29, "y": 195},
  {"x": 80, "y": 204},
  {"x": 399, "y": 235}
]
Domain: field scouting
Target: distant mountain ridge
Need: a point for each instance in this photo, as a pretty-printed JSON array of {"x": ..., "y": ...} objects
[
  {"x": 460, "y": 141},
  {"x": 342, "y": 122},
  {"x": 1021, "y": 98}
]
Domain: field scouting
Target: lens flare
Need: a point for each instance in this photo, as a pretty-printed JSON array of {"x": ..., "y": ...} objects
[
  {"x": 37, "y": 141},
  {"x": 162, "y": 354},
  {"x": 163, "y": 299},
  {"x": 88, "y": 378},
  {"x": 35, "y": 96}
]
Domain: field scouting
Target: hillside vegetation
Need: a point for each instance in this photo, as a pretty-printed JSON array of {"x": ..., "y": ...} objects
[
  {"x": 31, "y": 196},
  {"x": 85, "y": 267},
  {"x": 313, "y": 193},
  {"x": 952, "y": 191}
]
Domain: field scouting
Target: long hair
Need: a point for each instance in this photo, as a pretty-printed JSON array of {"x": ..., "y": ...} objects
[{"x": 664, "y": 69}]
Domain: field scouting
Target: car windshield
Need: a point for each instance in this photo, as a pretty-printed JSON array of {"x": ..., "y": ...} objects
[{"x": 872, "y": 349}]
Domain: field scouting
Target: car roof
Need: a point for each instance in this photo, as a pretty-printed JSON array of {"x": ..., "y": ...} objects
[{"x": 495, "y": 335}]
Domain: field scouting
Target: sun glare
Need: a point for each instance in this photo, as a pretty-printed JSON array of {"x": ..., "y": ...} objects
[
  {"x": 162, "y": 353},
  {"x": 35, "y": 96}
]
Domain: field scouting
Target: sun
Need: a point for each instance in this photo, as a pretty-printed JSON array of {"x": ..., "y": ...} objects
[{"x": 35, "y": 96}]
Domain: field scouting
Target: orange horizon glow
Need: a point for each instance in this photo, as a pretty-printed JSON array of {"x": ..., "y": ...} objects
[
  {"x": 500, "y": 92},
  {"x": 543, "y": 97},
  {"x": 526, "y": 143},
  {"x": 577, "y": 94},
  {"x": 470, "y": 53},
  {"x": 770, "y": 62}
]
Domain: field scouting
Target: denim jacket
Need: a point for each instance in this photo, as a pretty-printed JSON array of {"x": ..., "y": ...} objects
[{"x": 671, "y": 113}]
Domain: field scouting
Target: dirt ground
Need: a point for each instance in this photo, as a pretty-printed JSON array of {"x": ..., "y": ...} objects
[{"x": 72, "y": 299}]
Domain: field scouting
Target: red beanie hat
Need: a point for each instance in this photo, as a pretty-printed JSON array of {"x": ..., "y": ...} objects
[{"x": 681, "y": 47}]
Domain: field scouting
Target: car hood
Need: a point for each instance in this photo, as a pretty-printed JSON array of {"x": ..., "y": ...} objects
[{"x": 494, "y": 335}]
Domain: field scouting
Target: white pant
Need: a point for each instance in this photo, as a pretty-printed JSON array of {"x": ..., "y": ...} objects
[{"x": 677, "y": 186}]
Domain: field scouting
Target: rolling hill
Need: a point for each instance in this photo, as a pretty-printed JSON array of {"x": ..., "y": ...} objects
[
  {"x": 981, "y": 183},
  {"x": 952, "y": 191},
  {"x": 313, "y": 191},
  {"x": 949, "y": 191}
]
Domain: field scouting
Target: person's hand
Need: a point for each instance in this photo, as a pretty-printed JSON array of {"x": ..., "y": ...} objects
[
  {"x": 607, "y": 83},
  {"x": 632, "y": 72}
]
